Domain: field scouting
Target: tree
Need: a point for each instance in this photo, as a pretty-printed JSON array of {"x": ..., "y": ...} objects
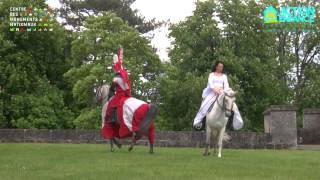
[
  {"x": 252, "y": 59},
  {"x": 32, "y": 67},
  {"x": 195, "y": 42},
  {"x": 181, "y": 99},
  {"x": 75, "y": 13},
  {"x": 92, "y": 52},
  {"x": 298, "y": 53}
]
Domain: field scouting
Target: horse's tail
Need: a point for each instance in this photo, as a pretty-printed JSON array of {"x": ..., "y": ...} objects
[{"x": 226, "y": 137}]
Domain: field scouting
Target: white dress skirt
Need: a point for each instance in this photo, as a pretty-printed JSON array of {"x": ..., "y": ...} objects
[{"x": 205, "y": 105}]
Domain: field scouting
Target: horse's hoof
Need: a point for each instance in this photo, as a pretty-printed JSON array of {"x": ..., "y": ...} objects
[
  {"x": 119, "y": 146},
  {"x": 151, "y": 152},
  {"x": 130, "y": 148},
  {"x": 112, "y": 150}
]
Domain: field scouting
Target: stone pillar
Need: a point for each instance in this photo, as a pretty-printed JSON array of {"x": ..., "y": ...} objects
[
  {"x": 311, "y": 119},
  {"x": 280, "y": 122}
]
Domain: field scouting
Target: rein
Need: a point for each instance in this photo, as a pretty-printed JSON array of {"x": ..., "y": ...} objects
[{"x": 223, "y": 107}]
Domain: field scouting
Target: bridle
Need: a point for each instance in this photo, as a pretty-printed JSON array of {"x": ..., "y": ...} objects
[
  {"x": 223, "y": 106},
  {"x": 99, "y": 93}
]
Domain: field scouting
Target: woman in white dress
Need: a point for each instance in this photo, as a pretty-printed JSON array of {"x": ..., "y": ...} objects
[{"x": 217, "y": 82}]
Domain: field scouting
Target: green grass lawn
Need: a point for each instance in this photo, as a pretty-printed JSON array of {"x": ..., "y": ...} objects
[{"x": 91, "y": 161}]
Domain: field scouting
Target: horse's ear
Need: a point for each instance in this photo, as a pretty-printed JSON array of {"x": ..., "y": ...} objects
[{"x": 235, "y": 107}]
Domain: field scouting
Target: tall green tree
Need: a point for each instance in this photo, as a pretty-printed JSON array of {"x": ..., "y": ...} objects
[
  {"x": 92, "y": 52},
  {"x": 76, "y": 12},
  {"x": 196, "y": 41},
  {"x": 32, "y": 65},
  {"x": 298, "y": 54},
  {"x": 253, "y": 60}
]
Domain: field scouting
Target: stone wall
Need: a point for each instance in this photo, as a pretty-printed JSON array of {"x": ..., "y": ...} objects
[
  {"x": 279, "y": 123},
  {"x": 311, "y": 118},
  {"x": 308, "y": 136},
  {"x": 50, "y": 136},
  {"x": 163, "y": 138},
  {"x": 197, "y": 139}
]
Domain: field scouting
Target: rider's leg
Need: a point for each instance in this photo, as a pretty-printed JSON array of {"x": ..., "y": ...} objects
[{"x": 114, "y": 116}]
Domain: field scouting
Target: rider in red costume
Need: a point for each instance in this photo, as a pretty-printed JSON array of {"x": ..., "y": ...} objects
[
  {"x": 121, "y": 85},
  {"x": 142, "y": 120}
]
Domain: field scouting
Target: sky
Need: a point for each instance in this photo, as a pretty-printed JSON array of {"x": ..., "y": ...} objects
[
  {"x": 162, "y": 10},
  {"x": 175, "y": 10}
]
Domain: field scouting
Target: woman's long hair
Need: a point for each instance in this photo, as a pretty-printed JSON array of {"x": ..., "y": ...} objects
[{"x": 216, "y": 64}]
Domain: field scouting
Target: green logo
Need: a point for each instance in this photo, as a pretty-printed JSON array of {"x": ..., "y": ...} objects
[{"x": 270, "y": 15}]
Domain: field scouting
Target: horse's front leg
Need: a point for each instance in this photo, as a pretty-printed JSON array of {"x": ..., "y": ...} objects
[
  {"x": 215, "y": 138},
  {"x": 111, "y": 145},
  {"x": 221, "y": 133},
  {"x": 151, "y": 149},
  {"x": 118, "y": 144},
  {"x": 208, "y": 139},
  {"x": 215, "y": 148}
]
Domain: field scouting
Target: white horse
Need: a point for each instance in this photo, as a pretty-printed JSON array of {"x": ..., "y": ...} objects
[{"x": 217, "y": 118}]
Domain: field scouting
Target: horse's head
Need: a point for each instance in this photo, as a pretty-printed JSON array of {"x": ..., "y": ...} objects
[
  {"x": 228, "y": 98},
  {"x": 101, "y": 92}
]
